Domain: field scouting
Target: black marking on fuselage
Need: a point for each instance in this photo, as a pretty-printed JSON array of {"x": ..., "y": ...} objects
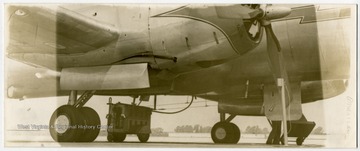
[
  {"x": 236, "y": 39},
  {"x": 169, "y": 14},
  {"x": 207, "y": 22}
]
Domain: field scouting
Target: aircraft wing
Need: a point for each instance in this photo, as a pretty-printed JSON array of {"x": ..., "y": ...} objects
[{"x": 41, "y": 30}]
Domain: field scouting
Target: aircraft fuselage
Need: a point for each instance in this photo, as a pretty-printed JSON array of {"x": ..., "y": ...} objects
[{"x": 191, "y": 50}]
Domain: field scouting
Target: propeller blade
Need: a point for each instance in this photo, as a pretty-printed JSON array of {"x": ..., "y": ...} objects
[{"x": 276, "y": 60}]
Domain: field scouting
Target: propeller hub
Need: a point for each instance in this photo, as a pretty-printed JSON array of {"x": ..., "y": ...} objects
[{"x": 275, "y": 12}]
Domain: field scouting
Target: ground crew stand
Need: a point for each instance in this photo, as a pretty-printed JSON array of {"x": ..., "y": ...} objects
[{"x": 126, "y": 119}]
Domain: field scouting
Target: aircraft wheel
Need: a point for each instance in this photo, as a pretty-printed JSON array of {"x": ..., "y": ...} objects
[
  {"x": 223, "y": 132},
  {"x": 119, "y": 137},
  {"x": 143, "y": 137},
  {"x": 110, "y": 137},
  {"x": 63, "y": 125},
  {"x": 91, "y": 127},
  {"x": 299, "y": 141},
  {"x": 236, "y": 134}
]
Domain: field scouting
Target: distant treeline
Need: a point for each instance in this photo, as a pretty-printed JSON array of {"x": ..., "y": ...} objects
[
  {"x": 154, "y": 132},
  {"x": 193, "y": 129},
  {"x": 256, "y": 130},
  {"x": 158, "y": 132}
]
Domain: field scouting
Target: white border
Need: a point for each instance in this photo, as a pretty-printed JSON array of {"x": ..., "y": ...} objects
[
  {"x": 189, "y": 1},
  {"x": 146, "y": 1}
]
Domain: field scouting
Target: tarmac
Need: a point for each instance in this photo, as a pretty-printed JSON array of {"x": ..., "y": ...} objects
[{"x": 246, "y": 141}]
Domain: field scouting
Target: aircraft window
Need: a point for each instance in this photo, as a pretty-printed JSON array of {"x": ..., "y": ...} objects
[
  {"x": 187, "y": 42},
  {"x": 163, "y": 44},
  {"x": 216, "y": 39}
]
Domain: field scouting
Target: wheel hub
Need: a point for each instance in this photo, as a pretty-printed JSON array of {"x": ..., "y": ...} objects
[
  {"x": 220, "y": 133},
  {"x": 62, "y": 124}
]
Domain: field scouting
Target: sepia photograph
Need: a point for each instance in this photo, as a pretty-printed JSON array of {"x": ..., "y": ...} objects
[{"x": 173, "y": 75}]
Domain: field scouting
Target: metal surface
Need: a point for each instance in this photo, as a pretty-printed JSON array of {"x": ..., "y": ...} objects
[
  {"x": 222, "y": 117},
  {"x": 155, "y": 101},
  {"x": 281, "y": 83},
  {"x": 253, "y": 107},
  {"x": 164, "y": 35},
  {"x": 273, "y": 103},
  {"x": 62, "y": 123},
  {"x": 132, "y": 76},
  {"x": 80, "y": 102},
  {"x": 231, "y": 117},
  {"x": 72, "y": 97}
]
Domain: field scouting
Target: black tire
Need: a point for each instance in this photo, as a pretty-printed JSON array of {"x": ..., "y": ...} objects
[
  {"x": 110, "y": 137},
  {"x": 143, "y": 137},
  {"x": 119, "y": 137},
  {"x": 236, "y": 134},
  {"x": 299, "y": 141},
  {"x": 70, "y": 132},
  {"x": 92, "y": 124},
  {"x": 222, "y": 133}
]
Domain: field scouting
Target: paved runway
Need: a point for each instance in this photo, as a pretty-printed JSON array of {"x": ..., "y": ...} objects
[
  {"x": 164, "y": 142},
  {"x": 157, "y": 145}
]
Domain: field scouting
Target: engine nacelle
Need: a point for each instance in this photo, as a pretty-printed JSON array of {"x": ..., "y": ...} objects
[{"x": 252, "y": 107}]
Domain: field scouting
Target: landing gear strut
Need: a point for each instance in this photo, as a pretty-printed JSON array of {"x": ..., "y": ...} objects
[
  {"x": 73, "y": 122},
  {"x": 225, "y": 132}
]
